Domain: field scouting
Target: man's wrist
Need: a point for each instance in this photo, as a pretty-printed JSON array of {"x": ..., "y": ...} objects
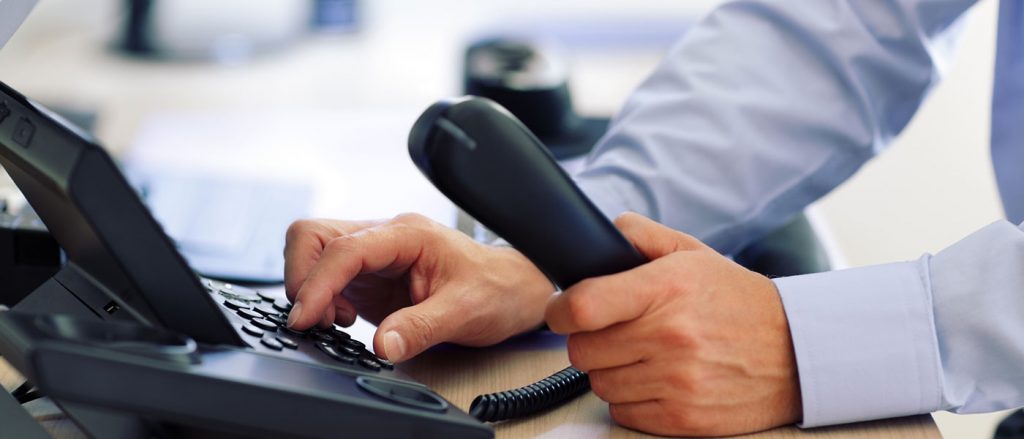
[{"x": 533, "y": 283}]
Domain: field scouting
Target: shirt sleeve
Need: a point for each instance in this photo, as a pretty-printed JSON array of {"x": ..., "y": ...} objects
[
  {"x": 940, "y": 333},
  {"x": 765, "y": 106}
]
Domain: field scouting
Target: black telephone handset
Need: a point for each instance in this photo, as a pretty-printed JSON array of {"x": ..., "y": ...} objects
[{"x": 489, "y": 164}]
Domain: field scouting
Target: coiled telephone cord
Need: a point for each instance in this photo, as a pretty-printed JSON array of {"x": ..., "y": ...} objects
[{"x": 554, "y": 390}]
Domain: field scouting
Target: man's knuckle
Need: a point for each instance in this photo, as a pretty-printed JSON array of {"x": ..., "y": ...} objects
[
  {"x": 580, "y": 310},
  {"x": 577, "y": 350},
  {"x": 412, "y": 219},
  {"x": 693, "y": 423},
  {"x": 422, "y": 327},
  {"x": 619, "y": 415},
  {"x": 630, "y": 418},
  {"x": 599, "y": 385},
  {"x": 680, "y": 382},
  {"x": 625, "y": 220},
  {"x": 344, "y": 243},
  {"x": 667, "y": 287},
  {"x": 679, "y": 336},
  {"x": 298, "y": 228},
  {"x": 472, "y": 303},
  {"x": 689, "y": 380},
  {"x": 688, "y": 422}
]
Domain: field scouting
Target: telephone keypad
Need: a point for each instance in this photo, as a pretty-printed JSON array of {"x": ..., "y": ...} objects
[{"x": 266, "y": 318}]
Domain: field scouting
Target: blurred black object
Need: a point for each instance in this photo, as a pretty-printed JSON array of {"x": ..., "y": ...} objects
[
  {"x": 135, "y": 37},
  {"x": 1012, "y": 427},
  {"x": 28, "y": 254},
  {"x": 790, "y": 250},
  {"x": 214, "y": 31},
  {"x": 531, "y": 81}
]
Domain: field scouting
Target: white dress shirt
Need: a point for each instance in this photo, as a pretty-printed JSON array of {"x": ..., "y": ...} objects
[{"x": 764, "y": 107}]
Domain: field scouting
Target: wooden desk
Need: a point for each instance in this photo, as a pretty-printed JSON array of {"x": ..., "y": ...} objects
[{"x": 461, "y": 373}]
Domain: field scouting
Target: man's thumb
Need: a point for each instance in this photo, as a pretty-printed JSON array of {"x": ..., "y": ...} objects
[
  {"x": 411, "y": 330},
  {"x": 652, "y": 239}
]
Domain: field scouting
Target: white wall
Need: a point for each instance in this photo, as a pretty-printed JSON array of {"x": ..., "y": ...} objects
[{"x": 935, "y": 184}]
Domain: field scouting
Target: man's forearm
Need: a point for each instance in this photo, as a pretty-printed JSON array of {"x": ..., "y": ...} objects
[{"x": 765, "y": 106}]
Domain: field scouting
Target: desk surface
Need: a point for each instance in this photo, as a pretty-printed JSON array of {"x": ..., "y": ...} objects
[{"x": 461, "y": 373}]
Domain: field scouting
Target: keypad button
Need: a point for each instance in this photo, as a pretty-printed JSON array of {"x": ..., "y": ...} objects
[
  {"x": 271, "y": 343},
  {"x": 369, "y": 363},
  {"x": 384, "y": 363},
  {"x": 239, "y": 295},
  {"x": 348, "y": 350},
  {"x": 282, "y": 305},
  {"x": 287, "y": 342},
  {"x": 252, "y": 330},
  {"x": 235, "y": 304},
  {"x": 347, "y": 359},
  {"x": 249, "y": 314},
  {"x": 265, "y": 309},
  {"x": 276, "y": 318},
  {"x": 266, "y": 295},
  {"x": 324, "y": 337},
  {"x": 294, "y": 332},
  {"x": 328, "y": 349},
  {"x": 265, "y": 324},
  {"x": 353, "y": 343},
  {"x": 339, "y": 334}
]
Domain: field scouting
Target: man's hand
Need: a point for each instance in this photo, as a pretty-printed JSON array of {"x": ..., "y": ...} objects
[
  {"x": 688, "y": 344},
  {"x": 421, "y": 282}
]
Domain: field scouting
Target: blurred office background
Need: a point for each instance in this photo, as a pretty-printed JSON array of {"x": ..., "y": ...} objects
[{"x": 332, "y": 105}]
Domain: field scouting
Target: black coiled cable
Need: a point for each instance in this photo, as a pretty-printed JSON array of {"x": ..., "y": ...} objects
[{"x": 554, "y": 390}]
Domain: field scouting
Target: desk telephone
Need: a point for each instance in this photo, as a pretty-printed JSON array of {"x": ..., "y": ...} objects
[{"x": 130, "y": 342}]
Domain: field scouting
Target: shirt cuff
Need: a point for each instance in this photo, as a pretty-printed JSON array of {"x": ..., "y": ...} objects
[{"x": 865, "y": 342}]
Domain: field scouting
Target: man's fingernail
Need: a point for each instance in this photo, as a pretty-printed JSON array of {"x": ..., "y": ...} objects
[
  {"x": 394, "y": 346},
  {"x": 347, "y": 315},
  {"x": 295, "y": 313}
]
